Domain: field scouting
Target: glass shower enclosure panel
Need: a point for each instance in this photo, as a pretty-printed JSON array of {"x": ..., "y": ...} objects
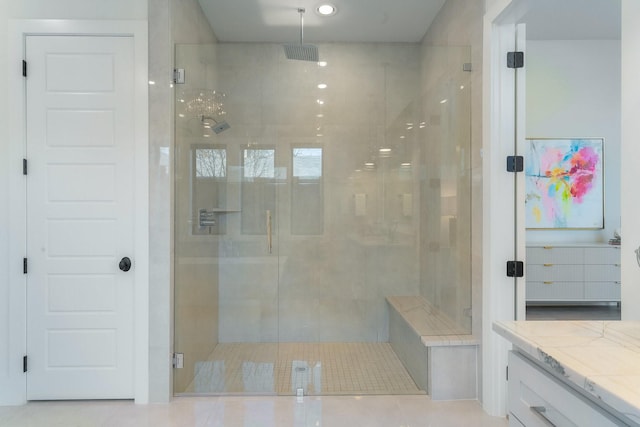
[{"x": 305, "y": 196}]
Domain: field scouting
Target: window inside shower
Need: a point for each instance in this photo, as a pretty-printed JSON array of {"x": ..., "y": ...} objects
[{"x": 312, "y": 195}]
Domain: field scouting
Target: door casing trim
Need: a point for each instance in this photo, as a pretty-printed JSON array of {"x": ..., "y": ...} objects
[{"x": 13, "y": 391}]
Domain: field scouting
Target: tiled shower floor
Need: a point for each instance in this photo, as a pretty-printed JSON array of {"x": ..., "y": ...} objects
[{"x": 317, "y": 368}]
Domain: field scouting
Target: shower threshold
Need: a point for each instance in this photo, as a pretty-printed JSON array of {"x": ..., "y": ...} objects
[{"x": 317, "y": 368}]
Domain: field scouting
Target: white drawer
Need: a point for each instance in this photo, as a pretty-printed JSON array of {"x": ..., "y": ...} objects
[
  {"x": 603, "y": 255},
  {"x": 555, "y": 273},
  {"x": 602, "y": 291},
  {"x": 602, "y": 273},
  {"x": 514, "y": 422},
  {"x": 554, "y": 255},
  {"x": 538, "y": 399},
  {"x": 554, "y": 291}
]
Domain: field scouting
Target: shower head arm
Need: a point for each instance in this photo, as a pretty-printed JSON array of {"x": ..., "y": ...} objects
[
  {"x": 301, "y": 12},
  {"x": 204, "y": 119}
]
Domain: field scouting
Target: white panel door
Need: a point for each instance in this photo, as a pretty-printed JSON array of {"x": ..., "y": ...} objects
[{"x": 80, "y": 190}]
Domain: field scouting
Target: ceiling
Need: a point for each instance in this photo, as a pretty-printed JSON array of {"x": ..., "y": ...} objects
[
  {"x": 278, "y": 21},
  {"x": 569, "y": 19}
]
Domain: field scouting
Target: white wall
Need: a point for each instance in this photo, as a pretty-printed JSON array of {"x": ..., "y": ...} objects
[
  {"x": 573, "y": 90},
  {"x": 630, "y": 155},
  {"x": 4, "y": 202},
  {"x": 34, "y": 9},
  {"x": 77, "y": 9}
]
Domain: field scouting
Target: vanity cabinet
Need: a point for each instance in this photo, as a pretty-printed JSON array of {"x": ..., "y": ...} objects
[
  {"x": 573, "y": 273},
  {"x": 538, "y": 398}
]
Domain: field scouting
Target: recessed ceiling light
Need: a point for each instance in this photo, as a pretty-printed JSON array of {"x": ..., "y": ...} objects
[
  {"x": 326, "y": 9},
  {"x": 322, "y": 64},
  {"x": 322, "y": 86}
]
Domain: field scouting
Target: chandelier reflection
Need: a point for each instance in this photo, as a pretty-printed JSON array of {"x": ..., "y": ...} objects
[{"x": 208, "y": 107}]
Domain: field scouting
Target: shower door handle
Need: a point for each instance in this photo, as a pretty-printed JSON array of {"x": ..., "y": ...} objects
[{"x": 269, "y": 234}]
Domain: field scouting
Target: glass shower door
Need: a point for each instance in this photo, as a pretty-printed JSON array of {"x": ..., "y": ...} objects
[
  {"x": 227, "y": 268},
  {"x": 226, "y": 261}
]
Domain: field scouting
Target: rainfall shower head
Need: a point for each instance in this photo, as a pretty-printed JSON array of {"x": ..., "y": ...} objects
[
  {"x": 216, "y": 126},
  {"x": 301, "y": 51}
]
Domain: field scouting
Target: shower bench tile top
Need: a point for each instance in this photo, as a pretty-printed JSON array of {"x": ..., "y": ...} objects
[
  {"x": 432, "y": 326},
  {"x": 441, "y": 357}
]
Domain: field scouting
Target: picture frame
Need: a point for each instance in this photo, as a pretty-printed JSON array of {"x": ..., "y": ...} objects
[{"x": 564, "y": 181}]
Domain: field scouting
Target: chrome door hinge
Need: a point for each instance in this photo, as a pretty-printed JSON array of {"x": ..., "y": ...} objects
[
  {"x": 24, "y": 166},
  {"x": 178, "y": 360},
  {"x": 178, "y": 76}
]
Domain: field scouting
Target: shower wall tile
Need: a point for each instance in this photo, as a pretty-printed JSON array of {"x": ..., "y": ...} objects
[
  {"x": 299, "y": 319},
  {"x": 189, "y": 23},
  {"x": 248, "y": 320},
  {"x": 248, "y": 277}
]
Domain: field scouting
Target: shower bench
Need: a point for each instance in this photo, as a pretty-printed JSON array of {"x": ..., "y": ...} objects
[{"x": 440, "y": 357}]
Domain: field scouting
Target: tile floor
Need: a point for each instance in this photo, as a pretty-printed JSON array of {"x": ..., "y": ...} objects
[
  {"x": 283, "y": 411},
  {"x": 317, "y": 368}
]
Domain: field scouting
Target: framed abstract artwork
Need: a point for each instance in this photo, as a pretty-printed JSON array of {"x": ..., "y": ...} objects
[{"x": 564, "y": 183}]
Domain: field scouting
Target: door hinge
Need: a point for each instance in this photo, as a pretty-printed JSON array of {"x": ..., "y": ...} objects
[
  {"x": 515, "y": 59},
  {"x": 24, "y": 68},
  {"x": 515, "y": 163},
  {"x": 178, "y": 360},
  {"x": 507, "y": 373},
  {"x": 515, "y": 269},
  {"x": 24, "y": 166},
  {"x": 178, "y": 76},
  {"x": 24, "y": 265},
  {"x": 24, "y": 364}
]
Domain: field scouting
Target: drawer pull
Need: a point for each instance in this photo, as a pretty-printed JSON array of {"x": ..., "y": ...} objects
[
  {"x": 540, "y": 411},
  {"x": 548, "y": 283},
  {"x": 547, "y": 247},
  {"x": 547, "y": 265}
]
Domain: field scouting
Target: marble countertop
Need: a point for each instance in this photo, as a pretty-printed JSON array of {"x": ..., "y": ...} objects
[{"x": 600, "y": 357}]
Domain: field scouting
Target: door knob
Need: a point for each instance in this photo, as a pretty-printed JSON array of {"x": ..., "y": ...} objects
[{"x": 125, "y": 264}]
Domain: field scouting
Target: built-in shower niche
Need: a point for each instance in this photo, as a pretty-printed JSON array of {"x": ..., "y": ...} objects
[{"x": 212, "y": 190}]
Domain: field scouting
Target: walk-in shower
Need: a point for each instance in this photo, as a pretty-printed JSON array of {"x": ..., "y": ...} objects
[{"x": 337, "y": 186}]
